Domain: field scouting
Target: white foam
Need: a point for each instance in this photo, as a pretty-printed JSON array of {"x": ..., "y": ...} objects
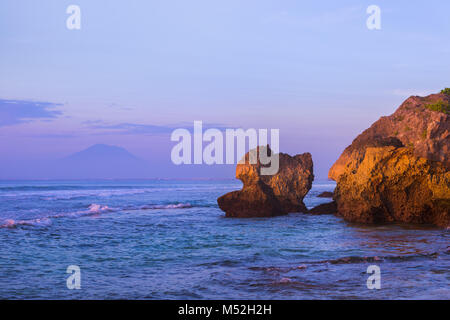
[
  {"x": 167, "y": 206},
  {"x": 93, "y": 209},
  {"x": 98, "y": 208},
  {"x": 11, "y": 223}
]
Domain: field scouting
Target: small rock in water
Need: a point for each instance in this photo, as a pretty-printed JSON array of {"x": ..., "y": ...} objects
[
  {"x": 270, "y": 195},
  {"x": 324, "y": 208},
  {"x": 326, "y": 194}
]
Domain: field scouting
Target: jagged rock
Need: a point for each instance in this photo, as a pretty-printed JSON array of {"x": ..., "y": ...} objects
[
  {"x": 398, "y": 169},
  {"x": 324, "y": 208},
  {"x": 270, "y": 195}
]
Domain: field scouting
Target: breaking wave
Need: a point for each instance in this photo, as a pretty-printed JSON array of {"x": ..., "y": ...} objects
[
  {"x": 97, "y": 208},
  {"x": 41, "y": 222},
  {"x": 92, "y": 210}
]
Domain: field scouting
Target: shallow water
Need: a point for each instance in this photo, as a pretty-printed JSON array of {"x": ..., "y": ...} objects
[{"x": 169, "y": 240}]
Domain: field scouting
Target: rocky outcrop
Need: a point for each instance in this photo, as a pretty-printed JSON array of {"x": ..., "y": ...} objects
[
  {"x": 393, "y": 185},
  {"x": 414, "y": 124},
  {"x": 270, "y": 195},
  {"x": 398, "y": 169}
]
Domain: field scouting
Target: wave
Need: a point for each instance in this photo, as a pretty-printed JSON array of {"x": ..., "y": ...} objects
[
  {"x": 92, "y": 210},
  {"x": 70, "y": 187},
  {"x": 39, "y": 188},
  {"x": 41, "y": 222},
  {"x": 75, "y": 194},
  {"x": 166, "y": 206},
  {"x": 354, "y": 260},
  {"x": 97, "y": 208},
  {"x": 53, "y": 194}
]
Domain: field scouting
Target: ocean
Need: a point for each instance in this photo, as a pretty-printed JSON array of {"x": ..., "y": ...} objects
[{"x": 167, "y": 239}]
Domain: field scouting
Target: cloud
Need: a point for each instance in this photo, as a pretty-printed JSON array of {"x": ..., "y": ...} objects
[
  {"x": 317, "y": 21},
  {"x": 131, "y": 128},
  {"x": 118, "y": 106},
  {"x": 413, "y": 92},
  {"x": 146, "y": 129},
  {"x": 20, "y": 111}
]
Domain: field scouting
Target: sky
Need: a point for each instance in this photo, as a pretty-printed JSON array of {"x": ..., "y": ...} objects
[{"x": 137, "y": 69}]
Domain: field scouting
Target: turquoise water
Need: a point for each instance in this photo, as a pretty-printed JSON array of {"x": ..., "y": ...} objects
[{"x": 169, "y": 240}]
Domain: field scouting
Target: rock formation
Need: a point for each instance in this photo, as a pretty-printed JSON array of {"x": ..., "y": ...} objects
[
  {"x": 415, "y": 124},
  {"x": 398, "y": 169},
  {"x": 270, "y": 195},
  {"x": 324, "y": 208}
]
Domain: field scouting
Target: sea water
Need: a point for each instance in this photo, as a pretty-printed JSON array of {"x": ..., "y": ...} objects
[{"x": 167, "y": 239}]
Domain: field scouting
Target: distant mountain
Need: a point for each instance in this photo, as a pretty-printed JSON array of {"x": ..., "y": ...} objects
[
  {"x": 101, "y": 161},
  {"x": 108, "y": 162},
  {"x": 101, "y": 152}
]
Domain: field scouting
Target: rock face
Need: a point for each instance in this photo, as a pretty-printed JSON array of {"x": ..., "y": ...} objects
[
  {"x": 268, "y": 196},
  {"x": 398, "y": 169},
  {"x": 414, "y": 125}
]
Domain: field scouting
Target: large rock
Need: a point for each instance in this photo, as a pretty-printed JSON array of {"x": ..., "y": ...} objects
[
  {"x": 398, "y": 169},
  {"x": 414, "y": 125},
  {"x": 255, "y": 200},
  {"x": 270, "y": 195}
]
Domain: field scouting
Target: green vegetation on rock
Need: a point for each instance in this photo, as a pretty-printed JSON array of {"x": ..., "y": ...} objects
[
  {"x": 424, "y": 134},
  {"x": 439, "y": 106},
  {"x": 446, "y": 91}
]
